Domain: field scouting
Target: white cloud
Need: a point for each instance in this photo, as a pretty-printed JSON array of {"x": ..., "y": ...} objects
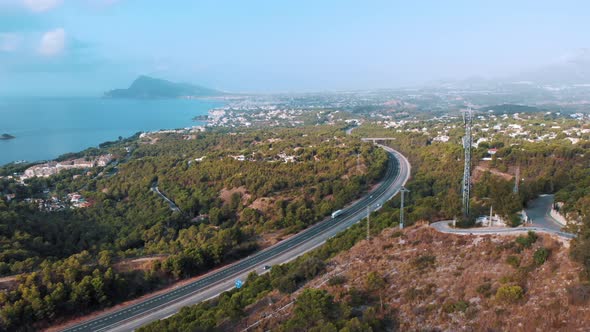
[
  {"x": 41, "y": 5},
  {"x": 9, "y": 42},
  {"x": 53, "y": 42}
]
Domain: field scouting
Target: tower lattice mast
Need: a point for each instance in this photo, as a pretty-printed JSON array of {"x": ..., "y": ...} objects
[{"x": 467, "y": 143}]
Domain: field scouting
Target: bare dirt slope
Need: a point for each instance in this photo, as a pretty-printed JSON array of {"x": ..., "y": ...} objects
[{"x": 445, "y": 282}]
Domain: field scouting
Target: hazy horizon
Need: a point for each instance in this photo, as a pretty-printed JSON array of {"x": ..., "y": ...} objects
[{"x": 83, "y": 48}]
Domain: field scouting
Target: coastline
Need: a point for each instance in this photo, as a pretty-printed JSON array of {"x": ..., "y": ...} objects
[
  {"x": 47, "y": 128},
  {"x": 101, "y": 145}
]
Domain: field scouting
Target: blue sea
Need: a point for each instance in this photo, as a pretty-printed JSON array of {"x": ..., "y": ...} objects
[{"x": 48, "y": 127}]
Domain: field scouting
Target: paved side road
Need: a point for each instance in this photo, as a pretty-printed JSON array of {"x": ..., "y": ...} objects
[
  {"x": 212, "y": 284},
  {"x": 446, "y": 227},
  {"x": 538, "y": 211},
  {"x": 171, "y": 204}
]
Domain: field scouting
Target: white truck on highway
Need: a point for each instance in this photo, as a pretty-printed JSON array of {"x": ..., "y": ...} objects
[{"x": 336, "y": 213}]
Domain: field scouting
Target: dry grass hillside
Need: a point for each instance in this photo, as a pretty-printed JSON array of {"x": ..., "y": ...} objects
[{"x": 443, "y": 282}]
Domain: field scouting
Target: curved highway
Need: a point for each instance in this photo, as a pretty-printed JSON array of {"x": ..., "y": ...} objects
[
  {"x": 444, "y": 227},
  {"x": 213, "y": 283}
]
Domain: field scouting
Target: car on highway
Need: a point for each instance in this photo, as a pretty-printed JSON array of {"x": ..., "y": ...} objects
[{"x": 337, "y": 213}]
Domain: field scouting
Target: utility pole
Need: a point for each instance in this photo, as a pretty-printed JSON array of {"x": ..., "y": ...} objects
[
  {"x": 368, "y": 223},
  {"x": 403, "y": 190},
  {"x": 516, "y": 180},
  {"x": 467, "y": 142},
  {"x": 358, "y": 163},
  {"x": 490, "y": 223}
]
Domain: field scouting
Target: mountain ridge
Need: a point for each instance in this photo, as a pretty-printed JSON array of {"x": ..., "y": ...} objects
[{"x": 146, "y": 87}]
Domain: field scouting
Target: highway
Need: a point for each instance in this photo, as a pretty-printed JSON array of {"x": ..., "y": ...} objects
[{"x": 213, "y": 283}]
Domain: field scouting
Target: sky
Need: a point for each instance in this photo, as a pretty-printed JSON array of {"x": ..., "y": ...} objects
[{"x": 84, "y": 47}]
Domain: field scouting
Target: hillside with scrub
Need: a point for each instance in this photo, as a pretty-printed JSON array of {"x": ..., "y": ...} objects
[{"x": 415, "y": 279}]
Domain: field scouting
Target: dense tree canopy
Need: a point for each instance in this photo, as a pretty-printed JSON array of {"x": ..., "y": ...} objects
[{"x": 286, "y": 180}]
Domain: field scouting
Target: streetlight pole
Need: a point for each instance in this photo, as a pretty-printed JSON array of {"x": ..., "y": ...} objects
[
  {"x": 403, "y": 190},
  {"x": 368, "y": 223},
  {"x": 490, "y": 223}
]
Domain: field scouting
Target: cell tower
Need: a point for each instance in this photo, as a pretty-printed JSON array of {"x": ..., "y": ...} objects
[
  {"x": 516, "y": 180},
  {"x": 467, "y": 142}
]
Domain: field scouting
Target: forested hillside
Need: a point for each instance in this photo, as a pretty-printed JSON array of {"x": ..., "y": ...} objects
[{"x": 232, "y": 189}]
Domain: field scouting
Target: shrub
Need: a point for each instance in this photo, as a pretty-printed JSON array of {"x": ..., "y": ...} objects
[
  {"x": 461, "y": 305},
  {"x": 356, "y": 297},
  {"x": 310, "y": 268},
  {"x": 285, "y": 284},
  {"x": 509, "y": 294},
  {"x": 484, "y": 289},
  {"x": 532, "y": 236},
  {"x": 513, "y": 261},
  {"x": 527, "y": 241},
  {"x": 465, "y": 222},
  {"x": 374, "y": 282},
  {"x": 312, "y": 307},
  {"x": 514, "y": 220},
  {"x": 540, "y": 256},
  {"x": 424, "y": 261},
  {"x": 448, "y": 307},
  {"x": 413, "y": 293},
  {"x": 451, "y": 306},
  {"x": 337, "y": 280}
]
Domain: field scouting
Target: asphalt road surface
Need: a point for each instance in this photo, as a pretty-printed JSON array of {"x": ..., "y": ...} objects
[
  {"x": 212, "y": 284},
  {"x": 171, "y": 204},
  {"x": 446, "y": 227},
  {"x": 538, "y": 211}
]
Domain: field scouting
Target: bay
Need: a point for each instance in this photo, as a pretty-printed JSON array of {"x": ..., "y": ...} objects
[{"x": 48, "y": 127}]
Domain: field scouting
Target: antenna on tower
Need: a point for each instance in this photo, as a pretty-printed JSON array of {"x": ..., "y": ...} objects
[
  {"x": 467, "y": 143},
  {"x": 516, "y": 180}
]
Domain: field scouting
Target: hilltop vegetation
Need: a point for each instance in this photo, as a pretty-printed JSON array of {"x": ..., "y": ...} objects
[
  {"x": 404, "y": 280},
  {"x": 420, "y": 279}
]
